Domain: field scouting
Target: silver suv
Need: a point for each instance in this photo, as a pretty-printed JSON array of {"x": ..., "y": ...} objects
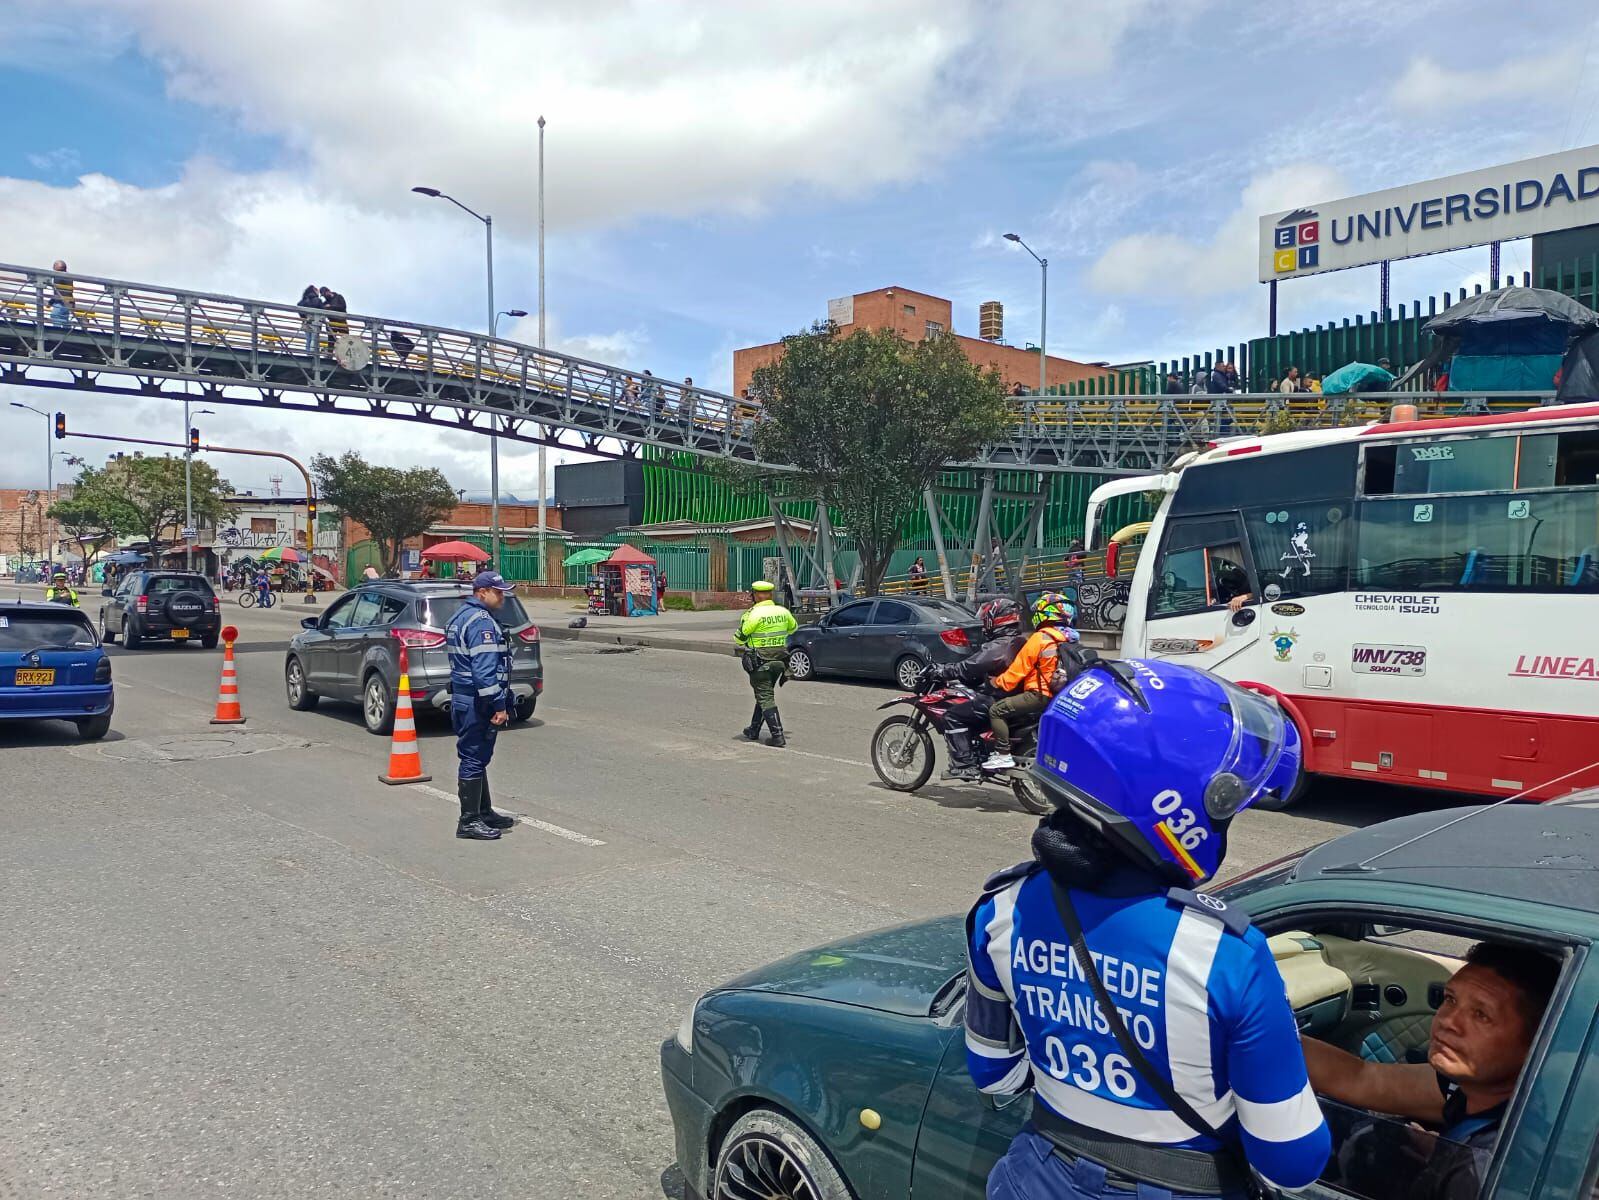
[{"x": 352, "y": 651}]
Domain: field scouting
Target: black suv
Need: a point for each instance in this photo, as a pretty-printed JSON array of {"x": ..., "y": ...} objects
[
  {"x": 352, "y": 651},
  {"x": 178, "y": 606}
]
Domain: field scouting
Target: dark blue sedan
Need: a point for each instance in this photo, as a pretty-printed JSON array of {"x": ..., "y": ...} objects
[{"x": 52, "y": 668}]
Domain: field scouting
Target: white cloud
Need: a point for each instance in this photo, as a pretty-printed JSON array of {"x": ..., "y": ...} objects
[
  {"x": 1171, "y": 266},
  {"x": 1427, "y": 86},
  {"x": 655, "y": 106}
]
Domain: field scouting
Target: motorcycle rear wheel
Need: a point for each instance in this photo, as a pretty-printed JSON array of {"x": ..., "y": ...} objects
[
  {"x": 1028, "y": 794},
  {"x": 902, "y": 754}
]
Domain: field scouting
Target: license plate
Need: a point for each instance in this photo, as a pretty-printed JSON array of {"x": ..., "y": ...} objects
[
  {"x": 35, "y": 678},
  {"x": 180, "y": 633}
]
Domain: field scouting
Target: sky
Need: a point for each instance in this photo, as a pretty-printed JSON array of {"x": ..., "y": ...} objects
[{"x": 716, "y": 170}]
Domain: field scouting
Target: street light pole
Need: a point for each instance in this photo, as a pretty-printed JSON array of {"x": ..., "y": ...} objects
[
  {"x": 1043, "y": 313},
  {"x": 49, "y": 472},
  {"x": 494, "y": 433},
  {"x": 544, "y": 572}
]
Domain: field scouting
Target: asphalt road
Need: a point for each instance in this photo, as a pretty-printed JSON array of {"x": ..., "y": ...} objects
[{"x": 234, "y": 963}]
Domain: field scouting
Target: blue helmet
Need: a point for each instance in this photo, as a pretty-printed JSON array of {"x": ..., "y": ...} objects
[{"x": 1160, "y": 757}]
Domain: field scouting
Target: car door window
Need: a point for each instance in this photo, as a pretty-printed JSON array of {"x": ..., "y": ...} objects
[
  {"x": 339, "y": 615},
  {"x": 893, "y": 612},
  {"x": 365, "y": 611},
  {"x": 850, "y": 616},
  {"x": 390, "y": 610}
]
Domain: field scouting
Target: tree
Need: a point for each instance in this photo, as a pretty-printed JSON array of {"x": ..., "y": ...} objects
[
  {"x": 144, "y": 497},
  {"x": 869, "y": 420},
  {"x": 84, "y": 523},
  {"x": 393, "y": 504}
]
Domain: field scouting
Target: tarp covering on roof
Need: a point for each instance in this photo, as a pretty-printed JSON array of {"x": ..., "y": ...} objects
[{"x": 629, "y": 554}]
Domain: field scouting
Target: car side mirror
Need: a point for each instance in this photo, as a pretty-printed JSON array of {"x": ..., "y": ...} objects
[
  {"x": 105, "y": 591},
  {"x": 310, "y": 622},
  {"x": 1243, "y": 618}
]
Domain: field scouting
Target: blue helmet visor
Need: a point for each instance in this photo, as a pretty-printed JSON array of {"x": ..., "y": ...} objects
[{"x": 1255, "y": 757}]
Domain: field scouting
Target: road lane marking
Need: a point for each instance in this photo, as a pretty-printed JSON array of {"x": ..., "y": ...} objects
[
  {"x": 571, "y": 835},
  {"x": 848, "y": 762}
]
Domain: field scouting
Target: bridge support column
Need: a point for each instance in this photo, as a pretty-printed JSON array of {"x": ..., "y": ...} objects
[
  {"x": 824, "y": 537},
  {"x": 935, "y": 524},
  {"x": 981, "y": 568}
]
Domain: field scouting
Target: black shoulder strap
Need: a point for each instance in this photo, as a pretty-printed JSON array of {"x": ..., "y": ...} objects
[
  {"x": 1233, "y": 920},
  {"x": 1118, "y": 1027}
]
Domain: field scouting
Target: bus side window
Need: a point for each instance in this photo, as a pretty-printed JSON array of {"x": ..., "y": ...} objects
[{"x": 1202, "y": 566}]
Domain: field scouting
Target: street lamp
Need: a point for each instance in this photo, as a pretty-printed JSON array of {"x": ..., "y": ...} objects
[
  {"x": 506, "y": 312},
  {"x": 1043, "y": 312},
  {"x": 494, "y": 435},
  {"x": 49, "y": 458}
]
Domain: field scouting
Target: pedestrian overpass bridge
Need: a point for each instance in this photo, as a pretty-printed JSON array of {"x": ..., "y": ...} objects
[{"x": 112, "y": 336}]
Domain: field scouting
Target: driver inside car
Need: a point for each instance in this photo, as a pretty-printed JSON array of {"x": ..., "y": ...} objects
[{"x": 1481, "y": 1036}]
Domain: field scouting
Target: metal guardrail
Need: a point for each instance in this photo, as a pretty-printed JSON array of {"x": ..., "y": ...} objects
[{"x": 229, "y": 350}]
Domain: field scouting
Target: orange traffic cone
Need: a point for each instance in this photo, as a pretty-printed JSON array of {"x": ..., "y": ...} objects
[
  {"x": 405, "y": 761},
  {"x": 228, "y": 711}
]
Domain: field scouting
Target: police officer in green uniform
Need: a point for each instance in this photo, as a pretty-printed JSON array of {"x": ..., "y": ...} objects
[{"x": 763, "y": 632}]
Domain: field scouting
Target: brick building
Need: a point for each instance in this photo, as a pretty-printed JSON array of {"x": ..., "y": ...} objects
[
  {"x": 917, "y": 315},
  {"x": 24, "y": 528}
]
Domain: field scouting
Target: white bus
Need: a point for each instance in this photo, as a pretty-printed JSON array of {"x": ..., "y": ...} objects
[{"x": 1422, "y": 597}]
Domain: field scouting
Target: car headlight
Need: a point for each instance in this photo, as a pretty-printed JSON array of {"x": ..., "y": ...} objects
[{"x": 685, "y": 1029}]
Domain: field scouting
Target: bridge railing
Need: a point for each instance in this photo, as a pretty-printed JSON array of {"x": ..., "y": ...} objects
[
  {"x": 91, "y": 326},
  {"x": 173, "y": 332}
]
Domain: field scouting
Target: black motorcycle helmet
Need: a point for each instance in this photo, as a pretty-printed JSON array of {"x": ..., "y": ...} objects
[{"x": 1000, "y": 618}]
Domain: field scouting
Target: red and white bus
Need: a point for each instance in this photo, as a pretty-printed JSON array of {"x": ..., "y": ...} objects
[{"x": 1422, "y": 596}]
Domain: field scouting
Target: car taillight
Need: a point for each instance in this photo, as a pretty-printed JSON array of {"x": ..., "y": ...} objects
[
  {"x": 216, "y": 604},
  {"x": 419, "y": 639},
  {"x": 142, "y": 604},
  {"x": 102, "y": 670},
  {"x": 954, "y": 637},
  {"x": 530, "y": 634}
]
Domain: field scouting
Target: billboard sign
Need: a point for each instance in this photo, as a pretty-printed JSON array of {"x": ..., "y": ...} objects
[{"x": 1495, "y": 204}]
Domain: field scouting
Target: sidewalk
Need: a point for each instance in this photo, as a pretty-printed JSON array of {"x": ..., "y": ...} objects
[{"x": 706, "y": 632}]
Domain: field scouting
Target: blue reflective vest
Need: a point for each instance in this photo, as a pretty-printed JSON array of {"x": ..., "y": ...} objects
[
  {"x": 1196, "y": 987},
  {"x": 480, "y": 657}
]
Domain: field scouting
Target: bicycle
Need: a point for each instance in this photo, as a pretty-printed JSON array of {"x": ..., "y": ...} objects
[{"x": 249, "y": 599}]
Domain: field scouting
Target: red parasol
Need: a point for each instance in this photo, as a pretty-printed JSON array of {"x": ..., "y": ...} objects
[{"x": 456, "y": 552}]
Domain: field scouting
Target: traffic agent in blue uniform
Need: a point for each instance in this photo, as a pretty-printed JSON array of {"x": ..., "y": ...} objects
[
  {"x": 1148, "y": 1019},
  {"x": 480, "y": 700}
]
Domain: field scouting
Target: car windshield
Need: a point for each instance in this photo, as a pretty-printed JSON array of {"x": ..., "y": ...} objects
[
  {"x": 511, "y": 614},
  {"x": 949, "y": 608},
  {"x": 44, "y": 631},
  {"x": 163, "y": 584}
]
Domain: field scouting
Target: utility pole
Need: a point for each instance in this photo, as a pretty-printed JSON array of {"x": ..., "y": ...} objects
[{"x": 544, "y": 570}]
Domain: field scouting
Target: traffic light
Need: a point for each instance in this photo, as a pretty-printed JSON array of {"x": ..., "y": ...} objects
[
  {"x": 310, "y": 509},
  {"x": 194, "y": 439},
  {"x": 61, "y": 424}
]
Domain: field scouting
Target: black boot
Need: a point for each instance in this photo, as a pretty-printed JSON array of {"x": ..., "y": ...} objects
[
  {"x": 494, "y": 820},
  {"x": 752, "y": 731},
  {"x": 471, "y": 825},
  {"x": 775, "y": 724}
]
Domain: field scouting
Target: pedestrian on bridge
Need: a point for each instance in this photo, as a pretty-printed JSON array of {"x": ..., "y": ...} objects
[
  {"x": 763, "y": 632},
  {"x": 61, "y": 291},
  {"x": 480, "y": 701},
  {"x": 311, "y": 298},
  {"x": 334, "y": 302}
]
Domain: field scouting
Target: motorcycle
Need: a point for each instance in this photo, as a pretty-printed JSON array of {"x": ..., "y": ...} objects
[{"x": 902, "y": 747}]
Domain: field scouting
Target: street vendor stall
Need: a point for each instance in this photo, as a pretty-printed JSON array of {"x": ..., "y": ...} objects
[{"x": 625, "y": 583}]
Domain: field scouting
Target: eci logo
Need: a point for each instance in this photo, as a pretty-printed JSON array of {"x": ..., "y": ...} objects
[{"x": 1296, "y": 242}]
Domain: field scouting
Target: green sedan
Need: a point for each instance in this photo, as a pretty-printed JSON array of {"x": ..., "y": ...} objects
[{"x": 841, "y": 1072}]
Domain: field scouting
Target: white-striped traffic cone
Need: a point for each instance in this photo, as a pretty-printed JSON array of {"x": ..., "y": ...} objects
[
  {"x": 228, "y": 711},
  {"x": 405, "y": 760}
]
